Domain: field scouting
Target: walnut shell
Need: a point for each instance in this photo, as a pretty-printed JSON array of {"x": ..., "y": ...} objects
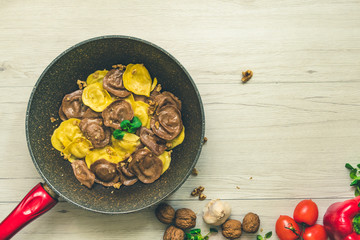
[
  {"x": 251, "y": 223},
  {"x": 231, "y": 229},
  {"x": 174, "y": 233},
  {"x": 165, "y": 213},
  {"x": 185, "y": 218}
]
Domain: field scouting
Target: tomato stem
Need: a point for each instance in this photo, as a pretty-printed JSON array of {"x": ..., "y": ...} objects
[{"x": 291, "y": 228}]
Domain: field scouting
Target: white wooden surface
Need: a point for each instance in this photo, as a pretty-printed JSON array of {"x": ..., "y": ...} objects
[{"x": 291, "y": 128}]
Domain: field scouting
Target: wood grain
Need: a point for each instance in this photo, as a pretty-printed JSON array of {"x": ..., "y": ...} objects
[{"x": 282, "y": 137}]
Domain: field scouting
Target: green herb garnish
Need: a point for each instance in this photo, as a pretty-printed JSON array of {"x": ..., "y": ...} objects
[
  {"x": 348, "y": 166},
  {"x": 118, "y": 134},
  {"x": 267, "y": 236},
  {"x": 355, "y": 177},
  {"x": 195, "y": 234},
  {"x": 132, "y": 126}
]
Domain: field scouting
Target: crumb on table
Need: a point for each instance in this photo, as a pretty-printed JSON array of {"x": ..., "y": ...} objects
[{"x": 247, "y": 75}]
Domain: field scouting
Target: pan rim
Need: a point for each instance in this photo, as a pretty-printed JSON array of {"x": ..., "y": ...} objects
[{"x": 202, "y": 112}]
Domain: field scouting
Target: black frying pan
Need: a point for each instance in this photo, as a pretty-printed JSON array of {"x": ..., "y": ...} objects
[{"x": 58, "y": 79}]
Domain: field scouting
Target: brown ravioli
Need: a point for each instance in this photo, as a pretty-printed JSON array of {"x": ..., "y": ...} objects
[
  {"x": 145, "y": 165},
  {"x": 153, "y": 142},
  {"x": 156, "y": 91},
  {"x": 82, "y": 173},
  {"x": 140, "y": 98},
  {"x": 167, "y": 123},
  {"x": 113, "y": 83},
  {"x": 105, "y": 172},
  {"x": 167, "y": 99},
  {"x": 117, "y": 112},
  {"x": 94, "y": 130},
  {"x": 72, "y": 106},
  {"x": 89, "y": 113},
  {"x": 62, "y": 114},
  {"x": 127, "y": 178}
]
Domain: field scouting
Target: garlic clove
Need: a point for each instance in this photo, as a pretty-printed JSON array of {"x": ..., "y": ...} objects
[{"x": 216, "y": 212}]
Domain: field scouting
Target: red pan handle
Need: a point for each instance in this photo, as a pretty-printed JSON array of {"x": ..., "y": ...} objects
[{"x": 35, "y": 203}]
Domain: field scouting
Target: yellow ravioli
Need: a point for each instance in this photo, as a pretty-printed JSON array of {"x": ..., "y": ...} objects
[
  {"x": 154, "y": 84},
  {"x": 107, "y": 153},
  {"x": 140, "y": 110},
  {"x": 165, "y": 157},
  {"x": 77, "y": 149},
  {"x": 178, "y": 140},
  {"x": 126, "y": 146},
  {"x": 97, "y": 76},
  {"x": 137, "y": 79},
  {"x": 96, "y": 97},
  {"x": 66, "y": 133}
]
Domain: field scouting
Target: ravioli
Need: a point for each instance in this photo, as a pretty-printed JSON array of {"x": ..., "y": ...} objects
[
  {"x": 137, "y": 79},
  {"x": 66, "y": 133},
  {"x": 108, "y": 153},
  {"x": 165, "y": 157},
  {"x": 140, "y": 110},
  {"x": 96, "y": 97},
  {"x": 153, "y": 86},
  {"x": 97, "y": 76},
  {"x": 116, "y": 103},
  {"x": 126, "y": 146},
  {"x": 178, "y": 140},
  {"x": 77, "y": 149}
]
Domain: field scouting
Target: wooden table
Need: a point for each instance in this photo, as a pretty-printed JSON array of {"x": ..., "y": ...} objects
[{"x": 282, "y": 137}]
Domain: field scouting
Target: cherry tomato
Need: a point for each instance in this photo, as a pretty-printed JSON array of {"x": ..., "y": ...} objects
[
  {"x": 316, "y": 232},
  {"x": 306, "y": 212},
  {"x": 287, "y": 228}
]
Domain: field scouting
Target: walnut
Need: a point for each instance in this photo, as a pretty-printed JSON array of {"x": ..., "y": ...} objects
[
  {"x": 174, "y": 233},
  {"x": 165, "y": 213},
  {"x": 251, "y": 223},
  {"x": 231, "y": 229},
  {"x": 185, "y": 218}
]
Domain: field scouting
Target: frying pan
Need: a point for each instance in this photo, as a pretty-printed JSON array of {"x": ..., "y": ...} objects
[{"x": 58, "y": 79}]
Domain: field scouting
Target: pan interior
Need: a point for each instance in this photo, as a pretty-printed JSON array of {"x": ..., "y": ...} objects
[{"x": 60, "y": 77}]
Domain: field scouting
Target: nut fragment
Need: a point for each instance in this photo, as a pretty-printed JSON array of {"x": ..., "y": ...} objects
[
  {"x": 52, "y": 119},
  {"x": 251, "y": 223},
  {"x": 185, "y": 218},
  {"x": 202, "y": 197},
  {"x": 81, "y": 84},
  {"x": 120, "y": 66},
  {"x": 165, "y": 213},
  {"x": 174, "y": 233},
  {"x": 197, "y": 191},
  {"x": 247, "y": 75},
  {"x": 231, "y": 229},
  {"x": 194, "y": 172}
]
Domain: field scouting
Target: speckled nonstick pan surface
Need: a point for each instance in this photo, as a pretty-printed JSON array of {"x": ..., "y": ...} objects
[{"x": 59, "y": 78}]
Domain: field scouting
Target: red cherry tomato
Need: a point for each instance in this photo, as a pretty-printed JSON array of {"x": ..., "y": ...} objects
[
  {"x": 306, "y": 212},
  {"x": 287, "y": 228},
  {"x": 316, "y": 232}
]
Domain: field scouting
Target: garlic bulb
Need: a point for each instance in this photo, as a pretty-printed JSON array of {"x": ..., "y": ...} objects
[{"x": 216, "y": 212}]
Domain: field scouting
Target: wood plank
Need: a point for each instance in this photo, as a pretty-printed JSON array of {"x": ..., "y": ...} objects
[
  {"x": 291, "y": 128},
  {"x": 293, "y": 42},
  {"x": 272, "y": 133},
  {"x": 66, "y": 221}
]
